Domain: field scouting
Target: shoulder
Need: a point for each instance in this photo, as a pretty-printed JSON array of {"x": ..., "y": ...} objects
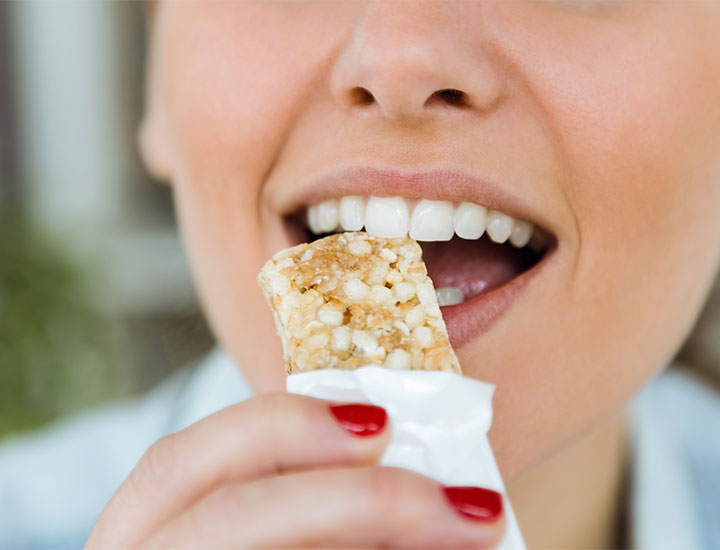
[
  {"x": 55, "y": 482},
  {"x": 676, "y": 462},
  {"x": 687, "y": 408}
]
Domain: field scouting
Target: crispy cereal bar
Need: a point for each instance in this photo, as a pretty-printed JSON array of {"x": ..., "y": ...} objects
[{"x": 351, "y": 300}]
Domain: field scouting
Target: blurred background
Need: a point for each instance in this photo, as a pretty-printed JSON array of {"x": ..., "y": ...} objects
[{"x": 96, "y": 302}]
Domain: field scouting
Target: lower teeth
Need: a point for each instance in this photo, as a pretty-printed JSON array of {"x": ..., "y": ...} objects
[{"x": 449, "y": 296}]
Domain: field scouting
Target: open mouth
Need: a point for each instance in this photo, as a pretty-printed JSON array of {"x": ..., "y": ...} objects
[{"x": 478, "y": 258}]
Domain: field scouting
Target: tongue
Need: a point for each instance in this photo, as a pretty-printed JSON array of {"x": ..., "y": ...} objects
[{"x": 473, "y": 266}]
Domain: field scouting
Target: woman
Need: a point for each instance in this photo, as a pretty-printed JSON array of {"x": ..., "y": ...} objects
[{"x": 597, "y": 122}]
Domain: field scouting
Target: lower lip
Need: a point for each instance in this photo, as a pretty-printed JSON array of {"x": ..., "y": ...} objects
[{"x": 476, "y": 316}]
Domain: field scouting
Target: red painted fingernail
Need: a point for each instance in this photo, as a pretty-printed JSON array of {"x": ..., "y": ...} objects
[
  {"x": 475, "y": 502},
  {"x": 360, "y": 420}
]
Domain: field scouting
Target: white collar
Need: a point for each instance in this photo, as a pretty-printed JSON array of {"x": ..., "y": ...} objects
[{"x": 675, "y": 464}]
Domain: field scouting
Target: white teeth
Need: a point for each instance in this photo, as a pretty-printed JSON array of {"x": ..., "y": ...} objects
[
  {"x": 521, "y": 233},
  {"x": 470, "y": 220},
  {"x": 449, "y": 296},
  {"x": 327, "y": 216},
  {"x": 387, "y": 217},
  {"x": 312, "y": 219},
  {"x": 352, "y": 213},
  {"x": 432, "y": 221},
  {"x": 499, "y": 226}
]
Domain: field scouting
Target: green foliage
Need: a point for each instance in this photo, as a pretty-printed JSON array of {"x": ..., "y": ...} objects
[{"x": 58, "y": 350}]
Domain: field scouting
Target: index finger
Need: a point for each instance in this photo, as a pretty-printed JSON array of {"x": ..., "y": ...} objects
[{"x": 256, "y": 438}]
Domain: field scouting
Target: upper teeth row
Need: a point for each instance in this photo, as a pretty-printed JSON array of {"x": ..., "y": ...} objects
[{"x": 390, "y": 217}]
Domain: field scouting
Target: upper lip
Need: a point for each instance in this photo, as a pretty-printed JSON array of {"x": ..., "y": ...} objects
[{"x": 447, "y": 184}]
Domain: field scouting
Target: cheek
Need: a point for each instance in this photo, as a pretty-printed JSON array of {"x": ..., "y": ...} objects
[
  {"x": 236, "y": 76},
  {"x": 222, "y": 246},
  {"x": 637, "y": 117},
  {"x": 228, "y": 115},
  {"x": 644, "y": 181},
  {"x": 641, "y": 171}
]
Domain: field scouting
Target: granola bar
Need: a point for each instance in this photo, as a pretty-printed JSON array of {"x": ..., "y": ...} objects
[{"x": 351, "y": 300}]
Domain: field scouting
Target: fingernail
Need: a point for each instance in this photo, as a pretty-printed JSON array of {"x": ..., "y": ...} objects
[
  {"x": 358, "y": 419},
  {"x": 475, "y": 502}
]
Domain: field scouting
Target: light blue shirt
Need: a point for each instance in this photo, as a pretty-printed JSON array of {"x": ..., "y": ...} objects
[{"x": 55, "y": 483}]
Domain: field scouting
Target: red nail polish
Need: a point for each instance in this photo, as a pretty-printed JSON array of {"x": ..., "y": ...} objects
[
  {"x": 475, "y": 502},
  {"x": 358, "y": 419}
]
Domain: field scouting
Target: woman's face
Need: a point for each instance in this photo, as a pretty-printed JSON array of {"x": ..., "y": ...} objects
[{"x": 598, "y": 121}]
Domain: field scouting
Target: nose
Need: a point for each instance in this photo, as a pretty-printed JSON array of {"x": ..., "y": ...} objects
[{"x": 409, "y": 60}]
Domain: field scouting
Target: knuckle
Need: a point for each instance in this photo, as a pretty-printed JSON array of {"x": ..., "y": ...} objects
[
  {"x": 269, "y": 422},
  {"x": 274, "y": 402},
  {"x": 399, "y": 493},
  {"x": 285, "y": 410},
  {"x": 155, "y": 470},
  {"x": 253, "y": 416},
  {"x": 386, "y": 487},
  {"x": 231, "y": 502},
  {"x": 396, "y": 506}
]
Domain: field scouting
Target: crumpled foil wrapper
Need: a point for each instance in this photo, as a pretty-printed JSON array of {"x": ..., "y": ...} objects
[{"x": 440, "y": 422}]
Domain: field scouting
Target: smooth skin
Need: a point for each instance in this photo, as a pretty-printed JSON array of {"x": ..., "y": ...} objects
[{"x": 601, "y": 116}]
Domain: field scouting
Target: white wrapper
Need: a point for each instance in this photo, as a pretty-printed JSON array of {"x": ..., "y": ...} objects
[{"x": 440, "y": 422}]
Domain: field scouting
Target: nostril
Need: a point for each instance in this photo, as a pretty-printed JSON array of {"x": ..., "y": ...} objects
[
  {"x": 449, "y": 96},
  {"x": 361, "y": 96}
]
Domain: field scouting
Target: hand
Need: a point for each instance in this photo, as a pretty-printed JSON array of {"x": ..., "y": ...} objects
[{"x": 286, "y": 471}]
